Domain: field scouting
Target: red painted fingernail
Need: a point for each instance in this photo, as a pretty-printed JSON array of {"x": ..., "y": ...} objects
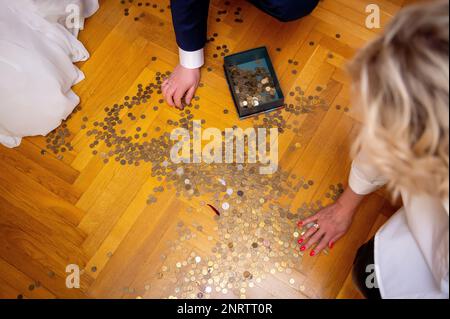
[
  {"x": 313, "y": 253},
  {"x": 303, "y": 248},
  {"x": 300, "y": 241},
  {"x": 331, "y": 245},
  {"x": 300, "y": 224}
]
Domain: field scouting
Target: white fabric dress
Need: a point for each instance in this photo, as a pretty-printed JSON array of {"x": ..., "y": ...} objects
[
  {"x": 411, "y": 249},
  {"x": 37, "y": 52}
]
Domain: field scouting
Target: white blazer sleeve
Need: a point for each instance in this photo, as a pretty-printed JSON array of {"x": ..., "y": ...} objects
[{"x": 364, "y": 178}]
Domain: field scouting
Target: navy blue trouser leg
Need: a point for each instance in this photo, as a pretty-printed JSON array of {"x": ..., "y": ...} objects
[{"x": 286, "y": 10}]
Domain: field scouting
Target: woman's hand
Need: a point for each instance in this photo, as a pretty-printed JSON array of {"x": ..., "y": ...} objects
[{"x": 330, "y": 224}]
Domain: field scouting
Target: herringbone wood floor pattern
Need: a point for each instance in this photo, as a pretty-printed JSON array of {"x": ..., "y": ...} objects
[{"x": 75, "y": 209}]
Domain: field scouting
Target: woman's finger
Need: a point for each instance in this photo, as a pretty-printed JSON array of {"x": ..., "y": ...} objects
[
  {"x": 334, "y": 239},
  {"x": 309, "y": 233},
  {"x": 312, "y": 241},
  {"x": 322, "y": 244},
  {"x": 311, "y": 219}
]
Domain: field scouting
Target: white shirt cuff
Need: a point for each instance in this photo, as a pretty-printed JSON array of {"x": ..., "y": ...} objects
[
  {"x": 361, "y": 184},
  {"x": 192, "y": 60}
]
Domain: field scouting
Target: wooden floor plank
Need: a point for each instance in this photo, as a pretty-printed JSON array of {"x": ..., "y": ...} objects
[
  {"x": 37, "y": 173},
  {"x": 15, "y": 283}
]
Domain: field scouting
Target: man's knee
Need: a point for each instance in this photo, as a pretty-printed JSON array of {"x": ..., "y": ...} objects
[{"x": 291, "y": 10}]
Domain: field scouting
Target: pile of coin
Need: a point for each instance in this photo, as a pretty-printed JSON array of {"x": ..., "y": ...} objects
[
  {"x": 252, "y": 87},
  {"x": 300, "y": 103},
  {"x": 135, "y": 147},
  {"x": 256, "y": 228},
  {"x": 238, "y": 15},
  {"x": 58, "y": 141},
  {"x": 223, "y": 12},
  {"x": 126, "y": 11},
  {"x": 257, "y": 237},
  {"x": 295, "y": 64},
  {"x": 222, "y": 51}
]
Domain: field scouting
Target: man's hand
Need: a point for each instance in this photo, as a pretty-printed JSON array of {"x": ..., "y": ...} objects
[
  {"x": 332, "y": 223},
  {"x": 182, "y": 83}
]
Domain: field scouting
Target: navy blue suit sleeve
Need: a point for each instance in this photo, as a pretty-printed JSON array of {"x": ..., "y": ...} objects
[{"x": 190, "y": 21}]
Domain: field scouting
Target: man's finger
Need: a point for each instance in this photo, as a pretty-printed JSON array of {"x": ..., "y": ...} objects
[
  {"x": 190, "y": 95},
  {"x": 164, "y": 89},
  {"x": 169, "y": 97},
  {"x": 178, "y": 96}
]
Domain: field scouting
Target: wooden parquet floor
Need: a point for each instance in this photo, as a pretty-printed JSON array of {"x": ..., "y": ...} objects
[{"x": 76, "y": 208}]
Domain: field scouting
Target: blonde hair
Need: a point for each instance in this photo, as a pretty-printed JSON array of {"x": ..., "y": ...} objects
[{"x": 402, "y": 79}]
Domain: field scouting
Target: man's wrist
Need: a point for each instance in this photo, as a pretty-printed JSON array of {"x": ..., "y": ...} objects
[{"x": 192, "y": 59}]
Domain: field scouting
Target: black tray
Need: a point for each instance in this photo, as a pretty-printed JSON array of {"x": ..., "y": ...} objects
[{"x": 251, "y": 56}]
